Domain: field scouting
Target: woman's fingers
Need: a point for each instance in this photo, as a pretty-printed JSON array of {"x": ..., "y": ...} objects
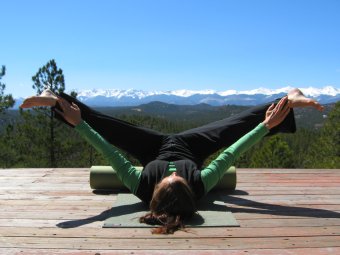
[
  {"x": 75, "y": 107},
  {"x": 271, "y": 107},
  {"x": 65, "y": 106},
  {"x": 283, "y": 102},
  {"x": 70, "y": 112},
  {"x": 283, "y": 111},
  {"x": 281, "y": 105},
  {"x": 276, "y": 114},
  {"x": 286, "y": 110}
]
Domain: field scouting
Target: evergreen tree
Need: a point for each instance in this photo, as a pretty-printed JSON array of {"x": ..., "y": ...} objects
[
  {"x": 299, "y": 143},
  {"x": 325, "y": 151},
  {"x": 273, "y": 153},
  {"x": 8, "y": 154},
  {"x": 245, "y": 159},
  {"x": 49, "y": 77},
  {"x": 6, "y": 101}
]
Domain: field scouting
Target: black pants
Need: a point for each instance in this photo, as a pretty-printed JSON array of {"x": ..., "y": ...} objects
[{"x": 195, "y": 144}]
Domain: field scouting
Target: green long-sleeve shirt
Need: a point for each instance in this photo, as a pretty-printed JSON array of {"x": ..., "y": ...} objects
[
  {"x": 126, "y": 172},
  {"x": 215, "y": 170},
  {"x": 130, "y": 176}
]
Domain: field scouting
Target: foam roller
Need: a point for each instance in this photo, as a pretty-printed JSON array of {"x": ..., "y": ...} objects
[{"x": 105, "y": 177}]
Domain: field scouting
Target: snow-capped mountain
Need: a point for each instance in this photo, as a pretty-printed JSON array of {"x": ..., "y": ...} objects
[{"x": 132, "y": 97}]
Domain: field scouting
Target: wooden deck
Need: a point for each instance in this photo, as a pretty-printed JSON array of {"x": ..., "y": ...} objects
[{"x": 281, "y": 211}]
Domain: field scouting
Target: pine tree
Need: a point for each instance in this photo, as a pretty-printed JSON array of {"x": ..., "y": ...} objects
[
  {"x": 274, "y": 153},
  {"x": 49, "y": 77},
  {"x": 8, "y": 154},
  {"x": 6, "y": 101},
  {"x": 325, "y": 151},
  {"x": 299, "y": 143}
]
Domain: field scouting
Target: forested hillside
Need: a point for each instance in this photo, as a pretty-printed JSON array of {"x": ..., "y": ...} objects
[
  {"x": 190, "y": 115},
  {"x": 26, "y": 142},
  {"x": 195, "y": 115}
]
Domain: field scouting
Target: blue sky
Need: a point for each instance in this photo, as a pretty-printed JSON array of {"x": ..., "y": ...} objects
[{"x": 170, "y": 44}]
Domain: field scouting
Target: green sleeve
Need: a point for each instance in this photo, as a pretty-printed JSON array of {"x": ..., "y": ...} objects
[
  {"x": 215, "y": 170},
  {"x": 127, "y": 173}
]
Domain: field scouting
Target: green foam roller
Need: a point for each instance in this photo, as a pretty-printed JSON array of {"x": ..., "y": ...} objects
[
  {"x": 229, "y": 179},
  {"x": 105, "y": 177}
]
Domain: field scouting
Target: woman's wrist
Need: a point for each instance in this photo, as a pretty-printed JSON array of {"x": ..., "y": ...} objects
[
  {"x": 266, "y": 124},
  {"x": 77, "y": 122}
]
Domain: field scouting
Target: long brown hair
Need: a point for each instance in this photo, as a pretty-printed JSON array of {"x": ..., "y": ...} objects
[{"x": 170, "y": 205}]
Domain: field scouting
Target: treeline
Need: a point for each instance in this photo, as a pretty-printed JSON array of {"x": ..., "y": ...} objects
[
  {"x": 307, "y": 148},
  {"x": 36, "y": 139},
  {"x": 27, "y": 143}
]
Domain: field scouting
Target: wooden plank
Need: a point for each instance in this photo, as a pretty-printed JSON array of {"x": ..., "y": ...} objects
[
  {"x": 300, "y": 176},
  {"x": 175, "y": 244},
  {"x": 282, "y": 199},
  {"x": 28, "y": 186},
  {"x": 290, "y": 251},
  {"x": 241, "y": 185},
  {"x": 240, "y": 212},
  {"x": 283, "y": 208},
  {"x": 38, "y": 179},
  {"x": 48, "y": 192},
  {"x": 58, "y": 208},
  {"x": 288, "y": 174},
  {"x": 239, "y": 199},
  {"x": 239, "y": 193},
  {"x": 73, "y": 215},
  {"x": 265, "y": 191},
  {"x": 249, "y": 223},
  {"x": 19, "y": 223},
  {"x": 136, "y": 233},
  {"x": 66, "y": 203},
  {"x": 306, "y": 222},
  {"x": 24, "y": 196},
  {"x": 86, "y": 212}
]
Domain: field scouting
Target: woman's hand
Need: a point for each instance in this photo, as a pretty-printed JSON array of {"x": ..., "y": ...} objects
[
  {"x": 71, "y": 113},
  {"x": 276, "y": 113}
]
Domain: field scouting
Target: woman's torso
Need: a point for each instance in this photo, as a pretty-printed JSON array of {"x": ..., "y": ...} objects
[{"x": 156, "y": 170}]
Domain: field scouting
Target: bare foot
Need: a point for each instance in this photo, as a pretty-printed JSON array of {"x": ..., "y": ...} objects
[
  {"x": 46, "y": 98},
  {"x": 297, "y": 99}
]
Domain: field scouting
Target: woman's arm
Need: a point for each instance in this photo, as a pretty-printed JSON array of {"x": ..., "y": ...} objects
[
  {"x": 127, "y": 173},
  {"x": 215, "y": 170}
]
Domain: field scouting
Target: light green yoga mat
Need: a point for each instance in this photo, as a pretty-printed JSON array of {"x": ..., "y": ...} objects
[
  {"x": 105, "y": 177},
  {"x": 128, "y": 208}
]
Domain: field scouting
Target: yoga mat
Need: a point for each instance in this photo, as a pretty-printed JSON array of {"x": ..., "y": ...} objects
[
  {"x": 105, "y": 177},
  {"x": 128, "y": 208}
]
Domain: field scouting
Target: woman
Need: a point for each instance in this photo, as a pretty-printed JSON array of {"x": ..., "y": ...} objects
[{"x": 173, "y": 180}]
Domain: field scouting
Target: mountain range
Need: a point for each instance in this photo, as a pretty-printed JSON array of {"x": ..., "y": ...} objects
[{"x": 132, "y": 97}]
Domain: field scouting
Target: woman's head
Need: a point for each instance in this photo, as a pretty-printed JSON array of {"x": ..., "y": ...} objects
[{"x": 172, "y": 202}]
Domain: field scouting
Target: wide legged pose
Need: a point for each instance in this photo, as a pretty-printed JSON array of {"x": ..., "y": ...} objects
[{"x": 173, "y": 178}]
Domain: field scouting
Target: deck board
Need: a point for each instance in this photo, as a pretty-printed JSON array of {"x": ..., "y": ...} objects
[{"x": 281, "y": 211}]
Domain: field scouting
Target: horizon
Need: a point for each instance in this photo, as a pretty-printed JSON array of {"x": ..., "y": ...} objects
[
  {"x": 172, "y": 45},
  {"x": 308, "y": 91},
  {"x": 112, "y": 98}
]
